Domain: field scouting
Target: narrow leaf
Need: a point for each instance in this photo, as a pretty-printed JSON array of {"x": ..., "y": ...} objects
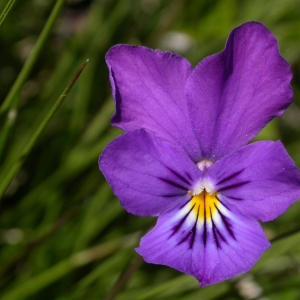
[{"x": 18, "y": 163}]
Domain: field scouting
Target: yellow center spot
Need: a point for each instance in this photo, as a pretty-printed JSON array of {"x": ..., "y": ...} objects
[{"x": 204, "y": 205}]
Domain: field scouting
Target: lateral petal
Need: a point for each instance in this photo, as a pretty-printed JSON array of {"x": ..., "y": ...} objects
[
  {"x": 261, "y": 180},
  {"x": 232, "y": 95},
  {"x": 149, "y": 91},
  {"x": 147, "y": 174},
  {"x": 227, "y": 244}
]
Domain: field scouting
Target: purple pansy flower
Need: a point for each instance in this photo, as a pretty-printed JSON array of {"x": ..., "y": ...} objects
[{"x": 183, "y": 156}]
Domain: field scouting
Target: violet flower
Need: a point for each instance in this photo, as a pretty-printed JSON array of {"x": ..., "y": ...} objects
[{"x": 183, "y": 156}]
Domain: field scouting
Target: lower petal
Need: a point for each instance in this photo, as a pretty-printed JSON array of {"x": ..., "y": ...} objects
[{"x": 206, "y": 238}]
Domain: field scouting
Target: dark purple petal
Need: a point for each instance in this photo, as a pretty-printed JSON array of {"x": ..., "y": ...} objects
[
  {"x": 234, "y": 94},
  {"x": 147, "y": 174},
  {"x": 149, "y": 92},
  {"x": 213, "y": 250},
  {"x": 260, "y": 179}
]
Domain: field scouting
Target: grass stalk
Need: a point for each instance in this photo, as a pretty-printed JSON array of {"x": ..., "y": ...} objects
[
  {"x": 6, "y": 10},
  {"x": 18, "y": 163},
  {"x": 23, "y": 75}
]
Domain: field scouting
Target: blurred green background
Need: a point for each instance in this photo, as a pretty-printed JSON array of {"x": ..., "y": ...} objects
[{"x": 63, "y": 234}]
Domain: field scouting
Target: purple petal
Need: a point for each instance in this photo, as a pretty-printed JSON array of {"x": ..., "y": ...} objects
[
  {"x": 212, "y": 250},
  {"x": 234, "y": 94},
  {"x": 149, "y": 92},
  {"x": 260, "y": 179},
  {"x": 147, "y": 174}
]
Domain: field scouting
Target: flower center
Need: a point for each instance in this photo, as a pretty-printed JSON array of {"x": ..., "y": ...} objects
[
  {"x": 204, "y": 164},
  {"x": 204, "y": 205}
]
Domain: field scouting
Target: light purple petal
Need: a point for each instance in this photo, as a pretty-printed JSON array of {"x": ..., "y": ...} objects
[
  {"x": 234, "y": 94},
  {"x": 147, "y": 174},
  {"x": 227, "y": 245},
  {"x": 149, "y": 92},
  {"x": 260, "y": 179}
]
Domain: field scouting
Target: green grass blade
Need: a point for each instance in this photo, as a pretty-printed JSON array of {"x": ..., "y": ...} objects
[
  {"x": 8, "y": 126},
  {"x": 15, "y": 168},
  {"x": 6, "y": 10},
  {"x": 23, "y": 75}
]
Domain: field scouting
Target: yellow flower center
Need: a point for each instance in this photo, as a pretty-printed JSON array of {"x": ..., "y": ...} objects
[{"x": 204, "y": 205}]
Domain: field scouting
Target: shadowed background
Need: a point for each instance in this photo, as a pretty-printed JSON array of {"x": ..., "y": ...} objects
[{"x": 63, "y": 234}]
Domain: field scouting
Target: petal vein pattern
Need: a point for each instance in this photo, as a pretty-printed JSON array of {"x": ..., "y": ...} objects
[
  {"x": 260, "y": 179},
  {"x": 208, "y": 214},
  {"x": 212, "y": 246},
  {"x": 148, "y": 175}
]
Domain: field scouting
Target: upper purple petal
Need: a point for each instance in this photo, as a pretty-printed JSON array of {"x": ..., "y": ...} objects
[
  {"x": 147, "y": 174},
  {"x": 149, "y": 91},
  {"x": 261, "y": 180},
  {"x": 232, "y": 95}
]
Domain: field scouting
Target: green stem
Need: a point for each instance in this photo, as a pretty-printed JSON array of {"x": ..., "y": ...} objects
[
  {"x": 6, "y": 10},
  {"x": 124, "y": 278},
  {"x": 7, "y": 126},
  {"x": 17, "y": 165},
  {"x": 285, "y": 235},
  {"x": 23, "y": 75}
]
